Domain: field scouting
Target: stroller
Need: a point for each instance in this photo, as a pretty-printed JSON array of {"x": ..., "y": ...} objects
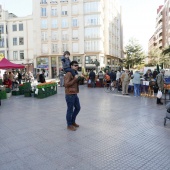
[{"x": 167, "y": 113}]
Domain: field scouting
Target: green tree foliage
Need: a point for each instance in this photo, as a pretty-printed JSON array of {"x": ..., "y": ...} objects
[
  {"x": 134, "y": 54},
  {"x": 166, "y": 51},
  {"x": 154, "y": 57}
]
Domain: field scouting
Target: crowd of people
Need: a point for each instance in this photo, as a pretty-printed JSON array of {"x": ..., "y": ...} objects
[
  {"x": 13, "y": 79},
  {"x": 127, "y": 81}
]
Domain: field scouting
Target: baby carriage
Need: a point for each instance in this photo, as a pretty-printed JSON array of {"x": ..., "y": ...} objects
[{"x": 167, "y": 113}]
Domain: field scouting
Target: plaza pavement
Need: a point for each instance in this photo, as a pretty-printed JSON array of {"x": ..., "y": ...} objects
[{"x": 116, "y": 133}]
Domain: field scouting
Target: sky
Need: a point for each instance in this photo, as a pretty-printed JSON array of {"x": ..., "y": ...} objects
[
  {"x": 139, "y": 17},
  {"x": 20, "y": 8},
  {"x": 139, "y": 20}
]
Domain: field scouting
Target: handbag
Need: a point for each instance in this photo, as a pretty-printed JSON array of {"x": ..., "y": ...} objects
[
  {"x": 159, "y": 94},
  {"x": 89, "y": 81}
]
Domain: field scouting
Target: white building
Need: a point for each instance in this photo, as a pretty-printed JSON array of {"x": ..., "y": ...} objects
[
  {"x": 16, "y": 41},
  {"x": 89, "y": 29}
]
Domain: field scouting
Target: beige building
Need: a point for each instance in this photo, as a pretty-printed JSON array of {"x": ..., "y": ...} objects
[
  {"x": 89, "y": 29},
  {"x": 161, "y": 37},
  {"x": 16, "y": 41}
]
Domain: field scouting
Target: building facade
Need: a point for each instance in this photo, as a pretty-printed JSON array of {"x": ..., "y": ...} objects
[
  {"x": 161, "y": 37},
  {"x": 89, "y": 29},
  {"x": 16, "y": 42}
]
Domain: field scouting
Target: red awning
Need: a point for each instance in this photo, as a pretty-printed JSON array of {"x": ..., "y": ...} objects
[{"x": 6, "y": 64}]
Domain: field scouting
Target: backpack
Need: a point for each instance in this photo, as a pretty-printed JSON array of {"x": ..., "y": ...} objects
[{"x": 107, "y": 77}]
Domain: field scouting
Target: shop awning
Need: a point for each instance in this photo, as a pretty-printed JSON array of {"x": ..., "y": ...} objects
[{"x": 6, "y": 64}]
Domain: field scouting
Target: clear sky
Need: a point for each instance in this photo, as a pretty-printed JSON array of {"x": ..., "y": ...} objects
[
  {"x": 139, "y": 19},
  {"x": 18, "y": 7}
]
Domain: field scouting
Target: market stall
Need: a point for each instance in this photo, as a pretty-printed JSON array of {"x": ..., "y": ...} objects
[
  {"x": 6, "y": 64},
  {"x": 44, "y": 90}
]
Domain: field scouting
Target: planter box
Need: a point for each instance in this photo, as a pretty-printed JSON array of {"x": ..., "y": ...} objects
[
  {"x": 15, "y": 93},
  {"x": 27, "y": 94},
  {"x": 8, "y": 95}
]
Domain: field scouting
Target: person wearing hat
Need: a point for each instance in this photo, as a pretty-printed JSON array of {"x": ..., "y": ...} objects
[{"x": 160, "y": 83}]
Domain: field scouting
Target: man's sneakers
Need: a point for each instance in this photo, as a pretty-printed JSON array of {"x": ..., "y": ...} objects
[
  {"x": 75, "y": 125},
  {"x": 71, "y": 127}
]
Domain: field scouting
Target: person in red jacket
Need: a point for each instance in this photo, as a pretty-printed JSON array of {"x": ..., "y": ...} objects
[{"x": 8, "y": 82}]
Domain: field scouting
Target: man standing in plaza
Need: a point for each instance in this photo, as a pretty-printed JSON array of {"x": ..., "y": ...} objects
[
  {"x": 72, "y": 100},
  {"x": 125, "y": 79},
  {"x": 160, "y": 83}
]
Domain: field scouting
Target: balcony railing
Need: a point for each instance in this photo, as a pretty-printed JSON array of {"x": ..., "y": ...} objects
[
  {"x": 43, "y": 2},
  {"x": 64, "y": 1},
  {"x": 54, "y": 2}
]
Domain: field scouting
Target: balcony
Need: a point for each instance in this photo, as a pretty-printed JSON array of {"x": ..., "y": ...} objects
[
  {"x": 54, "y": 2},
  {"x": 75, "y": 38},
  {"x": 43, "y": 3},
  {"x": 55, "y": 51},
  {"x": 64, "y": 1},
  {"x": 74, "y": 1}
]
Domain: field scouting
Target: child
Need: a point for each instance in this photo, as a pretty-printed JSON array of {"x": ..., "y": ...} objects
[{"x": 66, "y": 63}]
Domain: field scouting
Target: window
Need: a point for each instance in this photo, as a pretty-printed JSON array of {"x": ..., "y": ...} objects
[
  {"x": 65, "y": 47},
  {"x": 2, "y": 43},
  {"x": 54, "y": 48},
  {"x": 64, "y": 10},
  {"x": 21, "y": 27},
  {"x": 21, "y": 41},
  {"x": 64, "y": 35},
  {"x": 44, "y": 36},
  {"x": 22, "y": 55},
  {"x": 64, "y": 23},
  {"x": 75, "y": 22},
  {"x": 75, "y": 34},
  {"x": 78, "y": 59},
  {"x": 93, "y": 20},
  {"x": 43, "y": 1},
  {"x": 14, "y": 27},
  {"x": 93, "y": 45},
  {"x": 54, "y": 23},
  {"x": 44, "y": 48},
  {"x": 53, "y": 11},
  {"x": 90, "y": 59},
  {"x": 14, "y": 41},
  {"x": 44, "y": 24},
  {"x": 75, "y": 47},
  {"x": 74, "y": 9},
  {"x": 92, "y": 7},
  {"x": 43, "y": 12},
  {"x": 2, "y": 29},
  {"x": 15, "y": 55},
  {"x": 95, "y": 32},
  {"x": 54, "y": 35}
]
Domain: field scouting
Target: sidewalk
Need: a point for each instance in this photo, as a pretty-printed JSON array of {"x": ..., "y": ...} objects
[{"x": 116, "y": 133}]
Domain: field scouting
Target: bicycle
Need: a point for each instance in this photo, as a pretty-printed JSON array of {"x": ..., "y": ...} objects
[{"x": 109, "y": 86}]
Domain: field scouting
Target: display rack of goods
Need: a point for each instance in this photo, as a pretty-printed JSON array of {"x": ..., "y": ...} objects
[
  {"x": 1, "y": 82},
  {"x": 45, "y": 90},
  {"x": 167, "y": 86}
]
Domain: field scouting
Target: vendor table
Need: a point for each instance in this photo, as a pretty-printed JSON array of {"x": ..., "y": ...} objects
[{"x": 167, "y": 93}]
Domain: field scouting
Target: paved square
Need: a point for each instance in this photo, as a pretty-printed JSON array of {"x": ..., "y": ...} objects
[{"x": 116, "y": 133}]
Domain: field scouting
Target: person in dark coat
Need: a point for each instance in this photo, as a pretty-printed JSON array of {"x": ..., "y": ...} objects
[
  {"x": 92, "y": 77},
  {"x": 155, "y": 73},
  {"x": 42, "y": 77},
  {"x": 113, "y": 77}
]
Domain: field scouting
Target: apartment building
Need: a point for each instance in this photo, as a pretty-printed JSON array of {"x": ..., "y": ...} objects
[
  {"x": 161, "y": 37},
  {"x": 16, "y": 41},
  {"x": 89, "y": 29}
]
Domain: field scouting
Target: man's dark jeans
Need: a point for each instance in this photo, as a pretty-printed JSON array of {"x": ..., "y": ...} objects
[{"x": 73, "y": 108}]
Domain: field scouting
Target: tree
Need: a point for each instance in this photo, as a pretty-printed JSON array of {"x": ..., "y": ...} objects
[
  {"x": 166, "y": 51},
  {"x": 134, "y": 54},
  {"x": 154, "y": 57}
]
